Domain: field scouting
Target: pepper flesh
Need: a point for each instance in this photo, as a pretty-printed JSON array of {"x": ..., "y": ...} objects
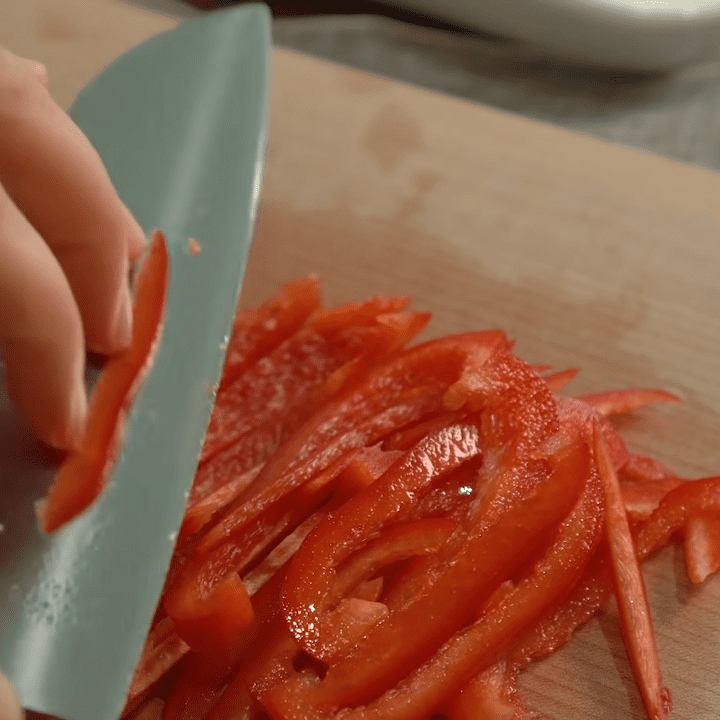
[{"x": 84, "y": 472}]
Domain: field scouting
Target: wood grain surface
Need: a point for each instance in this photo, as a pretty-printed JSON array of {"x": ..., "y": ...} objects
[{"x": 589, "y": 254}]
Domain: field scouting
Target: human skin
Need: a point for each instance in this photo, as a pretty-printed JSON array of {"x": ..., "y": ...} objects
[{"x": 66, "y": 246}]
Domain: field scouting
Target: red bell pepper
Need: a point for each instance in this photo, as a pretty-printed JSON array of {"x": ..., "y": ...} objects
[
  {"x": 194, "y": 693},
  {"x": 634, "y": 611},
  {"x": 83, "y": 474},
  {"x": 162, "y": 650},
  {"x": 623, "y": 401},
  {"x": 642, "y": 469},
  {"x": 641, "y": 499},
  {"x": 279, "y": 384},
  {"x": 201, "y": 509},
  {"x": 394, "y": 649},
  {"x": 556, "y": 628},
  {"x": 697, "y": 498},
  {"x": 558, "y": 380},
  {"x": 492, "y": 695},
  {"x": 216, "y": 620},
  {"x": 413, "y": 433},
  {"x": 402, "y": 390},
  {"x": 702, "y": 547},
  {"x": 400, "y": 541},
  {"x": 190, "y": 594},
  {"x": 310, "y": 576},
  {"x": 257, "y": 332}
]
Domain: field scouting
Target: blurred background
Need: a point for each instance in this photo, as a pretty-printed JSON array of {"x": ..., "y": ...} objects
[{"x": 639, "y": 72}]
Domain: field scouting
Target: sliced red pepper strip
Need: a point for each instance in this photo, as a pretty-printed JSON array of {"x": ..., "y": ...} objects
[
  {"x": 398, "y": 542},
  {"x": 676, "y": 510},
  {"x": 369, "y": 590},
  {"x": 190, "y": 591},
  {"x": 84, "y": 472},
  {"x": 402, "y": 390},
  {"x": 260, "y": 439},
  {"x": 642, "y": 469},
  {"x": 696, "y": 498},
  {"x": 163, "y": 649},
  {"x": 227, "y": 465},
  {"x": 254, "y": 409},
  {"x": 200, "y": 511},
  {"x": 406, "y": 437},
  {"x": 257, "y": 332},
  {"x": 194, "y": 693},
  {"x": 217, "y": 620},
  {"x": 702, "y": 547},
  {"x": 306, "y": 595},
  {"x": 350, "y": 620},
  {"x": 492, "y": 695},
  {"x": 558, "y": 380},
  {"x": 363, "y": 676},
  {"x": 591, "y": 592},
  {"x": 364, "y": 467},
  {"x": 641, "y": 499},
  {"x": 635, "y": 619},
  {"x": 588, "y": 416},
  {"x": 270, "y": 662},
  {"x": 623, "y": 401}
]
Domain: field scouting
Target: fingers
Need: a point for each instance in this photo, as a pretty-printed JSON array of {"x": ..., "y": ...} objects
[
  {"x": 40, "y": 331},
  {"x": 9, "y": 704},
  {"x": 59, "y": 183}
]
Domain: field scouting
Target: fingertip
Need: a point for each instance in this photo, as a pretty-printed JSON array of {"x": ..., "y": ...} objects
[
  {"x": 10, "y": 708},
  {"x": 41, "y": 72},
  {"x": 117, "y": 334},
  {"x": 71, "y": 430},
  {"x": 135, "y": 234}
]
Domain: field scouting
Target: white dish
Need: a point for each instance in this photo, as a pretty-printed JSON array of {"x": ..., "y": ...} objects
[{"x": 646, "y": 35}]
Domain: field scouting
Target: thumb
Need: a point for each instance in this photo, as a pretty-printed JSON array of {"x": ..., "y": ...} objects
[{"x": 9, "y": 704}]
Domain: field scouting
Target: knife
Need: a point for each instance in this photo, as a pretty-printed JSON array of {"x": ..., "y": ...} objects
[{"x": 180, "y": 124}]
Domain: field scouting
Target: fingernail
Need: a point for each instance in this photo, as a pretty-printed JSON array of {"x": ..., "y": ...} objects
[
  {"x": 70, "y": 437},
  {"x": 9, "y": 703},
  {"x": 122, "y": 322},
  {"x": 136, "y": 235},
  {"x": 76, "y": 423}
]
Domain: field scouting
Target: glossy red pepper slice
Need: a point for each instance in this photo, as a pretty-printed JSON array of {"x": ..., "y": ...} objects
[
  {"x": 84, "y": 472},
  {"x": 402, "y": 390},
  {"x": 216, "y": 621},
  {"x": 311, "y": 575},
  {"x": 492, "y": 695},
  {"x": 622, "y": 401},
  {"x": 643, "y": 469},
  {"x": 362, "y": 676},
  {"x": 266, "y": 395},
  {"x": 556, "y": 628},
  {"x": 194, "y": 693},
  {"x": 162, "y": 650},
  {"x": 702, "y": 547},
  {"x": 400, "y": 541},
  {"x": 635, "y": 619},
  {"x": 190, "y": 594},
  {"x": 697, "y": 498},
  {"x": 257, "y": 332},
  {"x": 641, "y": 499},
  {"x": 200, "y": 511},
  {"x": 557, "y": 381}
]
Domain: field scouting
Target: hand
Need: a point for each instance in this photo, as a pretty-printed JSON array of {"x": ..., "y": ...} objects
[
  {"x": 9, "y": 705},
  {"x": 66, "y": 241}
]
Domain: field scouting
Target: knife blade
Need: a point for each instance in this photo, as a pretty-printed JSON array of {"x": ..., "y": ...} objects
[{"x": 180, "y": 124}]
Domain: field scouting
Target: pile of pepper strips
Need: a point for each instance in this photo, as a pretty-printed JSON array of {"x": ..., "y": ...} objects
[{"x": 384, "y": 531}]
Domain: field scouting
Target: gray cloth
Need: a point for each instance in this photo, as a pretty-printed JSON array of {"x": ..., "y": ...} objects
[{"x": 676, "y": 115}]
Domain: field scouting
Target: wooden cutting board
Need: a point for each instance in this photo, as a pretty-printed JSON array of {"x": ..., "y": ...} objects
[{"x": 589, "y": 254}]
